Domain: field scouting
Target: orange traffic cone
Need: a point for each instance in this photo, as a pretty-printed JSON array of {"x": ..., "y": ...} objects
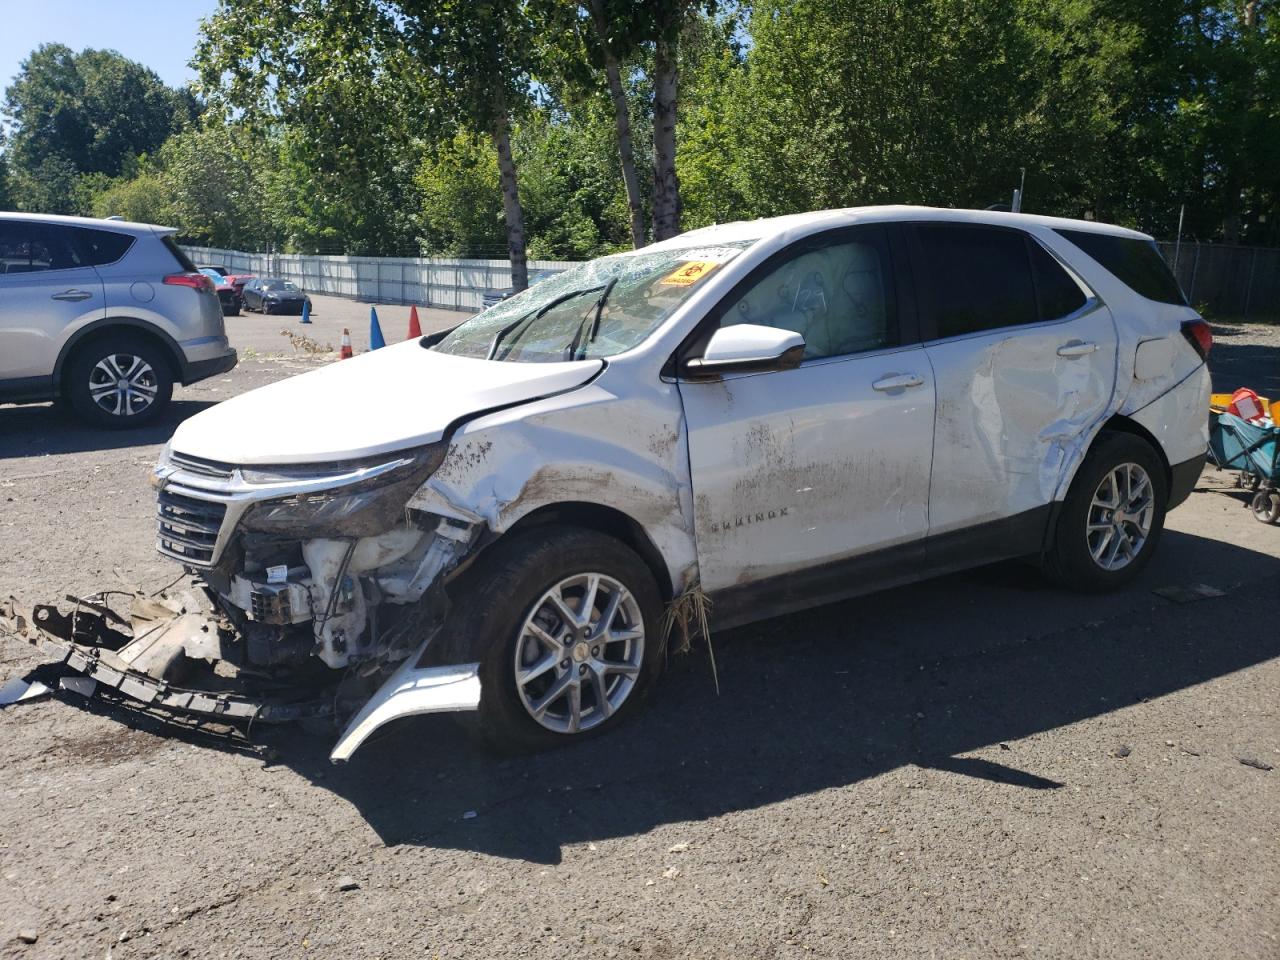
[
  {"x": 415, "y": 330},
  {"x": 345, "y": 352}
]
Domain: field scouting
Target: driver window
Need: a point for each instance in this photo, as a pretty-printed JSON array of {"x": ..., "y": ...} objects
[{"x": 836, "y": 293}]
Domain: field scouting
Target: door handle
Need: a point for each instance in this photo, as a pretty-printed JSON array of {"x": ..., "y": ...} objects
[
  {"x": 897, "y": 381},
  {"x": 72, "y": 295},
  {"x": 1077, "y": 349}
]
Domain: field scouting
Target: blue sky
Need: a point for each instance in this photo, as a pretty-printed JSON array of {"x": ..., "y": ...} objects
[{"x": 160, "y": 34}]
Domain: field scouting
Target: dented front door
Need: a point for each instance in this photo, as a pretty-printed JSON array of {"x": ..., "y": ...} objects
[{"x": 799, "y": 468}]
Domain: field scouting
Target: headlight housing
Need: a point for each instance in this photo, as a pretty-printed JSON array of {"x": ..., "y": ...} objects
[{"x": 355, "y": 498}]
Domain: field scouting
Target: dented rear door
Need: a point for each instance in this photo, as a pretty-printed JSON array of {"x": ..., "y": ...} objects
[
  {"x": 797, "y": 469},
  {"x": 1024, "y": 357}
]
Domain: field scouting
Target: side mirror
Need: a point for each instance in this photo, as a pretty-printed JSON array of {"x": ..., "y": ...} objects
[{"x": 747, "y": 347}]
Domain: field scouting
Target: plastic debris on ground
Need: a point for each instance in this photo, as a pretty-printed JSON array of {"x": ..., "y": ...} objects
[
  {"x": 18, "y": 690},
  {"x": 1181, "y": 594}
]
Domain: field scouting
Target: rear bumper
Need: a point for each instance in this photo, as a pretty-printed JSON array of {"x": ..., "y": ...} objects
[
  {"x": 1182, "y": 479},
  {"x": 203, "y": 369}
]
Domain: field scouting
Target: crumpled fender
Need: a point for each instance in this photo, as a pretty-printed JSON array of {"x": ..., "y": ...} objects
[
  {"x": 410, "y": 691},
  {"x": 588, "y": 446}
]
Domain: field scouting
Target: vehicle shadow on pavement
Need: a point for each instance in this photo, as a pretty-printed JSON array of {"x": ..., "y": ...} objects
[
  {"x": 53, "y": 428},
  {"x": 919, "y": 675}
]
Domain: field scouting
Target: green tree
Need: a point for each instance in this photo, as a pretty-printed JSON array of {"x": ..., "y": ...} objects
[
  {"x": 462, "y": 209},
  {"x": 353, "y": 78},
  {"x": 83, "y": 113}
]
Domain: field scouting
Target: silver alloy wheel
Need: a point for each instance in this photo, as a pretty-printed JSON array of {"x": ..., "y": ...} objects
[
  {"x": 1120, "y": 516},
  {"x": 579, "y": 653},
  {"x": 123, "y": 384}
]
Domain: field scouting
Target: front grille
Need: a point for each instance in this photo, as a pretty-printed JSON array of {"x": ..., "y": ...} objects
[
  {"x": 200, "y": 466},
  {"x": 188, "y": 527}
]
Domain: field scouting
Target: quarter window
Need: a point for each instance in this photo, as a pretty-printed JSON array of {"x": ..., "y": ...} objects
[
  {"x": 979, "y": 277},
  {"x": 1137, "y": 263},
  {"x": 102, "y": 247},
  {"x": 835, "y": 292}
]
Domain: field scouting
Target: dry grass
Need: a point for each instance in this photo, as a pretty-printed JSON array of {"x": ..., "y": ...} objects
[
  {"x": 306, "y": 344},
  {"x": 686, "y": 616}
]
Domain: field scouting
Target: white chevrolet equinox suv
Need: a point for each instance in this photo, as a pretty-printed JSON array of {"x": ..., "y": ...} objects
[
  {"x": 106, "y": 314},
  {"x": 745, "y": 420}
]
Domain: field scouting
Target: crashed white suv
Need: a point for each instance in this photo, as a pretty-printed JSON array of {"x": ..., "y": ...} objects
[{"x": 745, "y": 420}]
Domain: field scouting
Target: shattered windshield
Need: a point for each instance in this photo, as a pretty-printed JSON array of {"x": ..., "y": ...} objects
[{"x": 595, "y": 309}]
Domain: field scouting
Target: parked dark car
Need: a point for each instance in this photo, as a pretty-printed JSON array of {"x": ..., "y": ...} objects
[
  {"x": 227, "y": 296},
  {"x": 272, "y": 295}
]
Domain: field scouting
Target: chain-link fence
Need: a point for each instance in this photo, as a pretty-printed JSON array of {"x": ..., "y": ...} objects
[
  {"x": 1224, "y": 281},
  {"x": 1228, "y": 281},
  {"x": 429, "y": 282}
]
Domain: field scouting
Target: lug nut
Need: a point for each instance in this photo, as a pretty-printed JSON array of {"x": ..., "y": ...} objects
[
  {"x": 582, "y": 670},
  {"x": 564, "y": 663},
  {"x": 595, "y": 651}
]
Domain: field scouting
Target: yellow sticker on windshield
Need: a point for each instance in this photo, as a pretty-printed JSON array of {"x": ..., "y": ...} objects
[{"x": 689, "y": 273}]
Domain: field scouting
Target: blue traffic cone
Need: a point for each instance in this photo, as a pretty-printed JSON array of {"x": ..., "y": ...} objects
[
  {"x": 306, "y": 311},
  {"x": 375, "y": 331}
]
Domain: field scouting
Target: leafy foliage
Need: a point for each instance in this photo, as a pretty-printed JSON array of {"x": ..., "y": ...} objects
[{"x": 399, "y": 126}]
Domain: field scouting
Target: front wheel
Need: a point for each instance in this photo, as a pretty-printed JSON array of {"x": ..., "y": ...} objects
[
  {"x": 565, "y": 624},
  {"x": 1113, "y": 515}
]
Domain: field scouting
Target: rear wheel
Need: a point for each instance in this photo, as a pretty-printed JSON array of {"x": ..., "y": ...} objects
[
  {"x": 1112, "y": 517},
  {"x": 565, "y": 626},
  {"x": 119, "y": 382}
]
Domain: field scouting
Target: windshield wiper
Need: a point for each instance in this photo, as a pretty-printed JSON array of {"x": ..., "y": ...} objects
[
  {"x": 570, "y": 352},
  {"x": 533, "y": 316}
]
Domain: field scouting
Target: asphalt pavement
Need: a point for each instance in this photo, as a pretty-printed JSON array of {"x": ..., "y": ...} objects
[{"x": 978, "y": 766}]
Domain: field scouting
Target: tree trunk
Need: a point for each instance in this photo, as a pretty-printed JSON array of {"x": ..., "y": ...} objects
[
  {"x": 666, "y": 186},
  {"x": 622, "y": 124},
  {"x": 501, "y": 135}
]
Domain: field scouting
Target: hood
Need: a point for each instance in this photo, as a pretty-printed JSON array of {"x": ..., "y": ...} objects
[{"x": 389, "y": 399}]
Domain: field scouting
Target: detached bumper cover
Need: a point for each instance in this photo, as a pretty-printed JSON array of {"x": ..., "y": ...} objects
[{"x": 56, "y": 634}]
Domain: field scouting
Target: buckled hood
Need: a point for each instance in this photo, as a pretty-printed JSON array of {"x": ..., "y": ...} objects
[{"x": 390, "y": 399}]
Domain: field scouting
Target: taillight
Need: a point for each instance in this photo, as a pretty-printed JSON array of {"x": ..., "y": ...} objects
[
  {"x": 1200, "y": 335},
  {"x": 197, "y": 280}
]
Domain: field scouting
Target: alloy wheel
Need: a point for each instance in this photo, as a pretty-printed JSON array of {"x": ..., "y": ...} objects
[
  {"x": 579, "y": 653},
  {"x": 1120, "y": 516},
  {"x": 123, "y": 385}
]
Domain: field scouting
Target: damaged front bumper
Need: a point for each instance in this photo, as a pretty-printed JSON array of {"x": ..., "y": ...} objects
[{"x": 91, "y": 640}]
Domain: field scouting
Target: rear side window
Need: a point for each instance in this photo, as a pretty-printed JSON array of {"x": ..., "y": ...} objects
[
  {"x": 1136, "y": 263},
  {"x": 27, "y": 247},
  {"x": 979, "y": 277},
  {"x": 1056, "y": 293},
  {"x": 101, "y": 247},
  {"x": 183, "y": 260}
]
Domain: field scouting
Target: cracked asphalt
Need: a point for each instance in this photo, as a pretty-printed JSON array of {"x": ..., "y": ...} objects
[{"x": 978, "y": 766}]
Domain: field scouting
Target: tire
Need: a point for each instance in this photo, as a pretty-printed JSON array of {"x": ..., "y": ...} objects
[
  {"x": 1266, "y": 506},
  {"x": 491, "y": 612},
  {"x": 145, "y": 366},
  {"x": 1081, "y": 555}
]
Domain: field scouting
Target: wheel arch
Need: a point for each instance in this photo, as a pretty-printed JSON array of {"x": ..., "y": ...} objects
[
  {"x": 1117, "y": 423},
  {"x": 606, "y": 520},
  {"x": 108, "y": 326}
]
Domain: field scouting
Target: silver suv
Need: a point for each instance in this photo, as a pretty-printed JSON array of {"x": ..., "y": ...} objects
[{"x": 106, "y": 314}]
